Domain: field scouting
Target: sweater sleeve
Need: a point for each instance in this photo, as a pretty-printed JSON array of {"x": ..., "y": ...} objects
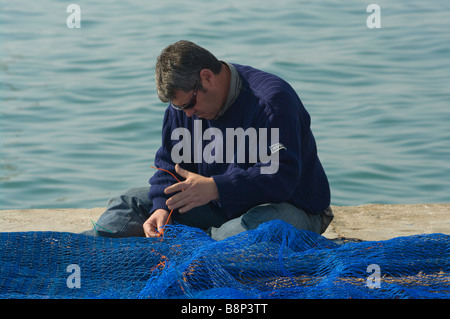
[
  {"x": 240, "y": 189},
  {"x": 161, "y": 179}
]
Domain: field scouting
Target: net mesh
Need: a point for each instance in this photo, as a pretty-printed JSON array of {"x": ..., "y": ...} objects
[{"x": 274, "y": 261}]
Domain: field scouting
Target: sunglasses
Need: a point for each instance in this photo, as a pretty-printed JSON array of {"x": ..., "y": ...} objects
[{"x": 191, "y": 102}]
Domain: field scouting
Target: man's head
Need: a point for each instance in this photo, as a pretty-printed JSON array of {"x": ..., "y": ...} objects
[{"x": 191, "y": 78}]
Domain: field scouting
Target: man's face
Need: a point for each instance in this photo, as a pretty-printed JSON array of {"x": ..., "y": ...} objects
[
  {"x": 208, "y": 100},
  {"x": 206, "y": 107}
]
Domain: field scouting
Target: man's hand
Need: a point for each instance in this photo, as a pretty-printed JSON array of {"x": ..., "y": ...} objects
[
  {"x": 153, "y": 226},
  {"x": 196, "y": 190}
]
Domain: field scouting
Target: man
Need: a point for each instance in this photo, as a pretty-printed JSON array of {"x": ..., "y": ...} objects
[{"x": 217, "y": 185}]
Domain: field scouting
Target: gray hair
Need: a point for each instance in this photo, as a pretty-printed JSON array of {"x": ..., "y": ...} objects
[{"x": 178, "y": 68}]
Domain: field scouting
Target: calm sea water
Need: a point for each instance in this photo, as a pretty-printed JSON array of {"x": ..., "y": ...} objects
[{"x": 80, "y": 119}]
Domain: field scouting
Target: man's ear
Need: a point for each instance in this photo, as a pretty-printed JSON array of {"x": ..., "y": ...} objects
[{"x": 208, "y": 78}]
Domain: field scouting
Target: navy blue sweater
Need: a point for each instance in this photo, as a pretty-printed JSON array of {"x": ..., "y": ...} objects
[{"x": 265, "y": 101}]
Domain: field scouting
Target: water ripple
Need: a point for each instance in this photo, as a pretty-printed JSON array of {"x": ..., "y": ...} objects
[{"x": 80, "y": 120}]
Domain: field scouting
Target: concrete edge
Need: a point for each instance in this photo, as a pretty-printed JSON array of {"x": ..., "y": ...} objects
[{"x": 365, "y": 222}]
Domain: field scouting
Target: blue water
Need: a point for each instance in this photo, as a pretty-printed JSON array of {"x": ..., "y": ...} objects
[{"x": 80, "y": 119}]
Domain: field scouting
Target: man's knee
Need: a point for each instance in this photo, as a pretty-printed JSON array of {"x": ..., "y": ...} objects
[
  {"x": 282, "y": 211},
  {"x": 135, "y": 194},
  {"x": 134, "y": 198},
  {"x": 124, "y": 215},
  {"x": 266, "y": 212}
]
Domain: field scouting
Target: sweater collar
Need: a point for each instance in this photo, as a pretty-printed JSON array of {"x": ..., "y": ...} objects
[{"x": 235, "y": 87}]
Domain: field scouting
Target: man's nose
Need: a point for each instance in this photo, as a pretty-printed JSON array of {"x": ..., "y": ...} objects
[{"x": 189, "y": 112}]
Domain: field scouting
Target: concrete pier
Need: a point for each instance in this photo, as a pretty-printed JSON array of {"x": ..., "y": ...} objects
[{"x": 365, "y": 222}]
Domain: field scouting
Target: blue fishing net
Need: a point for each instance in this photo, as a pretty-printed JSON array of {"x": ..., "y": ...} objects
[{"x": 274, "y": 261}]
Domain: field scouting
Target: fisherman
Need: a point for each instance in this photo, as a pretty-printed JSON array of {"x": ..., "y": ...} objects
[{"x": 196, "y": 182}]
